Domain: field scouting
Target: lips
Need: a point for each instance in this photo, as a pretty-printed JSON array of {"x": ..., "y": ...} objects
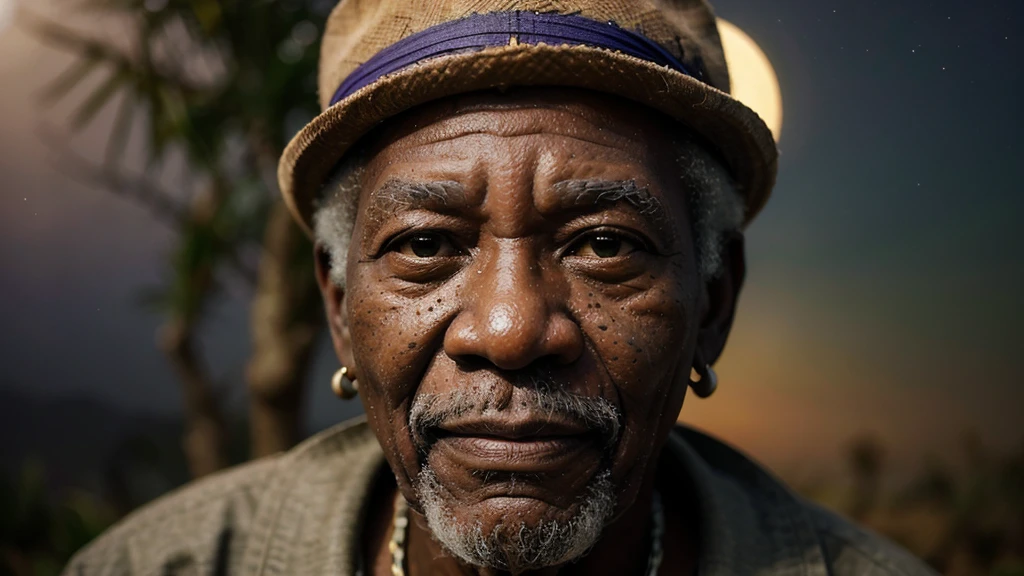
[
  {"x": 514, "y": 427},
  {"x": 528, "y": 443}
]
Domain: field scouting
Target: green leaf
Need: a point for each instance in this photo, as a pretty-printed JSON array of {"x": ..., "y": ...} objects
[
  {"x": 122, "y": 129},
  {"x": 208, "y": 13},
  {"x": 97, "y": 100},
  {"x": 68, "y": 79}
]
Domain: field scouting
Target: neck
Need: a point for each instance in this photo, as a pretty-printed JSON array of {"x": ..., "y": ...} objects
[{"x": 623, "y": 548}]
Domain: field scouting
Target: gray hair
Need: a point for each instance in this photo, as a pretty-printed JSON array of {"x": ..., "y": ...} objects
[{"x": 716, "y": 207}]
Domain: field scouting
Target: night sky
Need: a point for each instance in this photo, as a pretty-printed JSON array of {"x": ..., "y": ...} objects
[{"x": 886, "y": 275}]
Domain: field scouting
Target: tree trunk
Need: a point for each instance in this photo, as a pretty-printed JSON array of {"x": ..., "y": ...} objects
[
  {"x": 204, "y": 440},
  {"x": 286, "y": 318},
  {"x": 205, "y": 437}
]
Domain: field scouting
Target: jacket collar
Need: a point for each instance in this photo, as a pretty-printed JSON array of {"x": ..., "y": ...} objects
[
  {"x": 310, "y": 520},
  {"x": 750, "y": 522}
]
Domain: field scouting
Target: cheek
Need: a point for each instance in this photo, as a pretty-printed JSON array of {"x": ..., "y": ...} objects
[
  {"x": 393, "y": 336},
  {"x": 394, "y": 340},
  {"x": 645, "y": 340},
  {"x": 640, "y": 339}
]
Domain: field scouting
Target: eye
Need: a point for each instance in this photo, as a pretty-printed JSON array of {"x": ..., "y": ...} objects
[
  {"x": 604, "y": 244},
  {"x": 425, "y": 245}
]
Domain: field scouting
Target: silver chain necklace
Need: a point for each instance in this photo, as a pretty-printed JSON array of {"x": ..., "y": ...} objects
[{"x": 401, "y": 526}]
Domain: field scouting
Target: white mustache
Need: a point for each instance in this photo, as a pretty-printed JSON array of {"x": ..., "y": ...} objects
[{"x": 431, "y": 411}]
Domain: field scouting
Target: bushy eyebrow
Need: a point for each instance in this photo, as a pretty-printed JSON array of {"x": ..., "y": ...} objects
[
  {"x": 397, "y": 194},
  {"x": 581, "y": 192}
]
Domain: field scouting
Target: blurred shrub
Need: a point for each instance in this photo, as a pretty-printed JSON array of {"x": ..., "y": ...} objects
[
  {"x": 40, "y": 530},
  {"x": 964, "y": 524}
]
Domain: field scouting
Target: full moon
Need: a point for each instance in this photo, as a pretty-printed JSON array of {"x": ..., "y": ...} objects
[{"x": 753, "y": 79}]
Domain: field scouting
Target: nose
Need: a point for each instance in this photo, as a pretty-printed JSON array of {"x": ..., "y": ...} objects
[{"x": 512, "y": 315}]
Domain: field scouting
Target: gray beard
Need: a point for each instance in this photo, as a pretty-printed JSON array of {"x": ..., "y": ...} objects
[
  {"x": 511, "y": 545},
  {"x": 515, "y": 546}
]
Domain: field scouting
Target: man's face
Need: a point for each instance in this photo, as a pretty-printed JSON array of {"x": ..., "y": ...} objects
[{"x": 522, "y": 305}]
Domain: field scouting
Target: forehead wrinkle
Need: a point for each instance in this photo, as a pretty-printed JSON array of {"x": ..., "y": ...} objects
[
  {"x": 501, "y": 122},
  {"x": 455, "y": 135}
]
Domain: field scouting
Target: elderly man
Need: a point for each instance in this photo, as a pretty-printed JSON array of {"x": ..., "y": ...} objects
[{"x": 528, "y": 220}]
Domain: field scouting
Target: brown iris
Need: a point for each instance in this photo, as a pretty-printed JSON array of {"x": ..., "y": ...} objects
[{"x": 425, "y": 245}]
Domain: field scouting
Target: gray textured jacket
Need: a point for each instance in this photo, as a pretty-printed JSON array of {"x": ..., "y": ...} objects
[{"x": 301, "y": 513}]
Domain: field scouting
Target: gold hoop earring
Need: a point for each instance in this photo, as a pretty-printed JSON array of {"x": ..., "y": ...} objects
[
  {"x": 707, "y": 381},
  {"x": 344, "y": 385}
]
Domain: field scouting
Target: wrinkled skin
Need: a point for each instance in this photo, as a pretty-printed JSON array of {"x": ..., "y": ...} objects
[{"x": 510, "y": 277}]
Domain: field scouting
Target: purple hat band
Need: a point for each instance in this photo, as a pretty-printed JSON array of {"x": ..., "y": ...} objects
[{"x": 481, "y": 31}]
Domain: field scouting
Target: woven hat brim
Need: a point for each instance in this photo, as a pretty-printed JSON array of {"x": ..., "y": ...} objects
[{"x": 740, "y": 136}]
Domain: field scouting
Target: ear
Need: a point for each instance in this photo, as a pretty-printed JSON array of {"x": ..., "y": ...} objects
[
  {"x": 334, "y": 305},
  {"x": 721, "y": 294}
]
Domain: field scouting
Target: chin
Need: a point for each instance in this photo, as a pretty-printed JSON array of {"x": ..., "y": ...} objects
[{"x": 516, "y": 533}]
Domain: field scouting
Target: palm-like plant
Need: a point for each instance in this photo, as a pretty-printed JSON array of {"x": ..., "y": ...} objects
[{"x": 225, "y": 82}]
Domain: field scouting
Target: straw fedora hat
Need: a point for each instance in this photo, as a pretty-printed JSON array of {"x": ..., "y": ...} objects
[{"x": 382, "y": 57}]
